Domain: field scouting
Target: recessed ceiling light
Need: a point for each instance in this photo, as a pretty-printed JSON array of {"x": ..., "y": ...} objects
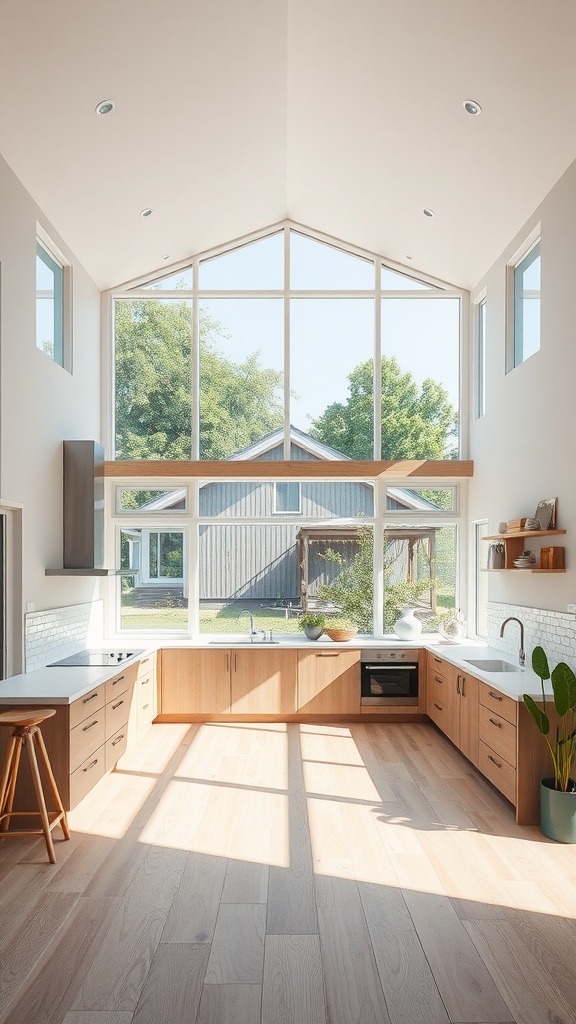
[
  {"x": 428, "y": 212},
  {"x": 105, "y": 107},
  {"x": 147, "y": 212},
  {"x": 471, "y": 107}
]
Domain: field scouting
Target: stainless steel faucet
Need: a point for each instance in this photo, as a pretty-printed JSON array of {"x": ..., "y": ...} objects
[
  {"x": 521, "y": 653},
  {"x": 253, "y": 631}
]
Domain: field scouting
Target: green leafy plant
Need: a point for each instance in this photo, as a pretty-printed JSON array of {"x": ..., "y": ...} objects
[
  {"x": 311, "y": 620},
  {"x": 561, "y": 740}
]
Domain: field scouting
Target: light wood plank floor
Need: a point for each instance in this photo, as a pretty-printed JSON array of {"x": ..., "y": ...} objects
[{"x": 290, "y": 874}]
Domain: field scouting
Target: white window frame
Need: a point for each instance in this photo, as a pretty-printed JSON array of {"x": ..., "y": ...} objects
[
  {"x": 514, "y": 351},
  {"x": 381, "y": 520},
  {"x": 479, "y": 550},
  {"x": 63, "y": 357},
  {"x": 139, "y": 289},
  {"x": 479, "y": 334},
  {"x": 291, "y": 511}
]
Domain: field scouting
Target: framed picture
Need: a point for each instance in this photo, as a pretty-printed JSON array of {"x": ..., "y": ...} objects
[{"x": 546, "y": 513}]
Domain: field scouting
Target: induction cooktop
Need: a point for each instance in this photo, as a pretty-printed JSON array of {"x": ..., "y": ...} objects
[{"x": 95, "y": 658}]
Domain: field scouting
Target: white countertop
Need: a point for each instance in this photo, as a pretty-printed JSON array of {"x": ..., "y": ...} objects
[
  {"x": 59, "y": 685},
  {"x": 62, "y": 685}
]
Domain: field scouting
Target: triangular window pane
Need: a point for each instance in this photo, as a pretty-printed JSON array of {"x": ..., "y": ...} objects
[
  {"x": 394, "y": 282},
  {"x": 180, "y": 281},
  {"x": 316, "y": 265},
  {"x": 257, "y": 266}
]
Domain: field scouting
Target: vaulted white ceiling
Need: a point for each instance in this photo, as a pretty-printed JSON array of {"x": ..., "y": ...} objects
[{"x": 234, "y": 114}]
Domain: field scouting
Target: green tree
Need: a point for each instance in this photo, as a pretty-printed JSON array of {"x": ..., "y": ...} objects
[
  {"x": 418, "y": 421},
  {"x": 240, "y": 402}
]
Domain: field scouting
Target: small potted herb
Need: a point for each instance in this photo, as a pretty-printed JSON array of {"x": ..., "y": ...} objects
[
  {"x": 557, "y": 793},
  {"x": 313, "y": 624}
]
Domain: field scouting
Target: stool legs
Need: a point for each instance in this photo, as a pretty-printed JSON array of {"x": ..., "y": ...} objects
[
  {"x": 9, "y": 778},
  {"x": 52, "y": 782},
  {"x": 30, "y": 736},
  {"x": 40, "y": 795}
]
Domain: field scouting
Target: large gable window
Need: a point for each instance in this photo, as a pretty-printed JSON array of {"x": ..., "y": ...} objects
[{"x": 287, "y": 331}]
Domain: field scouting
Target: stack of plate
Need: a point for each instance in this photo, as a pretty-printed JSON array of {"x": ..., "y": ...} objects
[{"x": 525, "y": 561}]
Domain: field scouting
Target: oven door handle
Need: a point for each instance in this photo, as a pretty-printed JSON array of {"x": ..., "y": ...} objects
[{"x": 393, "y": 665}]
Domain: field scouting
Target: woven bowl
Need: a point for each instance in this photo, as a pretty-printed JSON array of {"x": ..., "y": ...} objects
[{"x": 340, "y": 634}]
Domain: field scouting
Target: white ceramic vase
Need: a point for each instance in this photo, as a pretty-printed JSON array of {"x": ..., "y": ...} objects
[{"x": 408, "y": 627}]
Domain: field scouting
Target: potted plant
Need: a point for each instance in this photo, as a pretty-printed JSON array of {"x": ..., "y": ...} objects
[
  {"x": 313, "y": 624},
  {"x": 340, "y": 628},
  {"x": 557, "y": 793}
]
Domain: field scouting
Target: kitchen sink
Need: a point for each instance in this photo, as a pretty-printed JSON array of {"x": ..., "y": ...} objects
[
  {"x": 493, "y": 665},
  {"x": 251, "y": 643}
]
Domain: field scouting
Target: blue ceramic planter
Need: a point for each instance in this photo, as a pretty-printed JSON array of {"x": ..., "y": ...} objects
[{"x": 557, "y": 813}]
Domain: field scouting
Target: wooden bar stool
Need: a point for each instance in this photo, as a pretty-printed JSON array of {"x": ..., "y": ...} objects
[{"x": 26, "y": 732}]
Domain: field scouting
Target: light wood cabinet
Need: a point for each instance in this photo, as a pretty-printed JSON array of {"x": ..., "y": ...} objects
[
  {"x": 493, "y": 730},
  {"x": 263, "y": 682},
  {"x": 329, "y": 682},
  {"x": 195, "y": 682},
  {"x": 219, "y": 682},
  {"x": 84, "y": 739},
  {"x": 452, "y": 703}
]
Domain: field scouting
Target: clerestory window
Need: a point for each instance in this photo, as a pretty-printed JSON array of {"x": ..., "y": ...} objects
[{"x": 287, "y": 336}]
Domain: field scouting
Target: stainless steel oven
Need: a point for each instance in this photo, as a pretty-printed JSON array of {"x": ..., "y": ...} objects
[{"x": 389, "y": 676}]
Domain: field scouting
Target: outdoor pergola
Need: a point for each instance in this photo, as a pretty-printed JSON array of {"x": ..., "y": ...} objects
[{"x": 411, "y": 536}]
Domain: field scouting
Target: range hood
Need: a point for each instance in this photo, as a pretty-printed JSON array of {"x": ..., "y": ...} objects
[{"x": 83, "y": 510}]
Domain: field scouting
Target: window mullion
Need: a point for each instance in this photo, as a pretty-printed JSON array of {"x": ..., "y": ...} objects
[
  {"x": 377, "y": 364},
  {"x": 287, "y": 440}
]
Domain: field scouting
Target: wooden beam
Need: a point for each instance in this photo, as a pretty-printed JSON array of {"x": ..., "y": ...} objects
[{"x": 298, "y": 470}]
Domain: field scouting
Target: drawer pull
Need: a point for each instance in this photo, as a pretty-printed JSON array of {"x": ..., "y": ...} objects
[
  {"x": 88, "y": 699},
  {"x": 463, "y": 685},
  {"x": 497, "y": 724},
  {"x": 458, "y": 683},
  {"x": 145, "y": 707},
  {"x": 118, "y": 704},
  {"x": 145, "y": 661},
  {"x": 494, "y": 761},
  {"x": 496, "y": 696},
  {"x": 437, "y": 660},
  {"x": 118, "y": 680},
  {"x": 91, "y": 765},
  {"x": 438, "y": 706},
  {"x": 91, "y": 726},
  {"x": 144, "y": 682},
  {"x": 438, "y": 680},
  {"x": 328, "y": 654},
  {"x": 117, "y": 740}
]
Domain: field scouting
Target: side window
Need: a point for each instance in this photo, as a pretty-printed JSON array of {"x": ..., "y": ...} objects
[
  {"x": 524, "y": 306},
  {"x": 479, "y": 403},
  {"x": 53, "y": 304},
  {"x": 286, "y": 497}
]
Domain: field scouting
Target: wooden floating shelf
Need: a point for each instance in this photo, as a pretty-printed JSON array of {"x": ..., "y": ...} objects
[
  {"x": 524, "y": 533},
  {"x": 523, "y": 570}
]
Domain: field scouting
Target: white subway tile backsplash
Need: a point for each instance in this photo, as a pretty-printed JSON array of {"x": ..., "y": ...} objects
[
  {"x": 55, "y": 633},
  {"x": 554, "y": 631}
]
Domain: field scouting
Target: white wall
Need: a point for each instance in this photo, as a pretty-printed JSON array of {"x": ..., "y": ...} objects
[
  {"x": 523, "y": 448},
  {"x": 41, "y": 404}
]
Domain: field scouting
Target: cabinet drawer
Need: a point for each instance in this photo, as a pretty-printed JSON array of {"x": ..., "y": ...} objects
[
  {"x": 120, "y": 683},
  {"x": 438, "y": 687},
  {"x": 87, "y": 775},
  {"x": 498, "y": 770},
  {"x": 87, "y": 737},
  {"x": 438, "y": 713},
  {"x": 117, "y": 712},
  {"x": 503, "y": 705},
  {"x": 116, "y": 746},
  {"x": 87, "y": 705},
  {"x": 146, "y": 714},
  {"x": 499, "y": 734},
  {"x": 147, "y": 665}
]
